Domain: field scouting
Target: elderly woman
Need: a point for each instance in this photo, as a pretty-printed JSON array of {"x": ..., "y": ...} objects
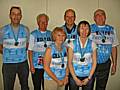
[
  {"x": 55, "y": 62},
  {"x": 82, "y": 59}
]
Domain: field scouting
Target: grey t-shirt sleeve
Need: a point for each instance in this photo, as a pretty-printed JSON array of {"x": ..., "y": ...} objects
[{"x": 115, "y": 43}]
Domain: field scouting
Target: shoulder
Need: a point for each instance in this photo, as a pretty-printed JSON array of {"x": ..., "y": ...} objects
[
  {"x": 34, "y": 32},
  {"x": 25, "y": 28},
  {"x": 109, "y": 26},
  {"x": 48, "y": 31}
]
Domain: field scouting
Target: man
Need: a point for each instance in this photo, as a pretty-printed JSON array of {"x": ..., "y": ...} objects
[
  {"x": 105, "y": 37},
  {"x": 70, "y": 28},
  {"x": 13, "y": 46},
  {"x": 40, "y": 39}
]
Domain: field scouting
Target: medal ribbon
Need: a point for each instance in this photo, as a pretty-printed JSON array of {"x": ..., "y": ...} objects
[
  {"x": 15, "y": 37},
  {"x": 82, "y": 51}
]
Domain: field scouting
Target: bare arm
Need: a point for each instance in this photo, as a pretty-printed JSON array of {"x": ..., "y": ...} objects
[
  {"x": 1, "y": 49},
  {"x": 70, "y": 65},
  {"x": 94, "y": 62},
  {"x": 86, "y": 80},
  {"x": 114, "y": 60},
  {"x": 32, "y": 69}
]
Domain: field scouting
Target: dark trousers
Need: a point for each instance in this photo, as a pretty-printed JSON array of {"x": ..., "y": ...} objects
[
  {"x": 102, "y": 74},
  {"x": 9, "y": 72},
  {"x": 67, "y": 85},
  {"x": 38, "y": 79},
  {"x": 73, "y": 85}
]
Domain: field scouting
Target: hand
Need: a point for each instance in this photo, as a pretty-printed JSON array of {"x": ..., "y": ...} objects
[
  {"x": 78, "y": 82},
  {"x": 113, "y": 69},
  {"x": 65, "y": 80},
  {"x": 85, "y": 81},
  {"x": 32, "y": 69},
  {"x": 60, "y": 82}
]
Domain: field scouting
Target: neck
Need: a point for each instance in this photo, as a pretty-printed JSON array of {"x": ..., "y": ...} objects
[
  {"x": 43, "y": 30},
  {"x": 83, "y": 40},
  {"x": 58, "y": 46},
  {"x": 69, "y": 26},
  {"x": 14, "y": 25}
]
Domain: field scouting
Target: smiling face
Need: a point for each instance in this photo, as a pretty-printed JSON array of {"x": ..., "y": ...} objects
[
  {"x": 58, "y": 35},
  {"x": 69, "y": 17},
  {"x": 42, "y": 21},
  {"x": 84, "y": 30},
  {"x": 99, "y": 17},
  {"x": 15, "y": 16}
]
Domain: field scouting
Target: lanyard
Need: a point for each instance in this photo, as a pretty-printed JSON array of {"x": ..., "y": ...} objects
[
  {"x": 82, "y": 50},
  {"x": 61, "y": 56},
  {"x": 15, "y": 37}
]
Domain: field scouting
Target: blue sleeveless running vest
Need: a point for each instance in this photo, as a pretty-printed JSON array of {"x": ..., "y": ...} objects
[
  {"x": 11, "y": 52},
  {"x": 42, "y": 41},
  {"x": 58, "y": 63},
  {"x": 103, "y": 37},
  {"x": 82, "y": 68}
]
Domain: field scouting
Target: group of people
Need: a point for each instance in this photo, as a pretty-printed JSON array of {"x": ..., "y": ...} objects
[{"x": 68, "y": 57}]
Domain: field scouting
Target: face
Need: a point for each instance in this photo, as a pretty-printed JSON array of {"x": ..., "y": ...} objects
[
  {"x": 42, "y": 23},
  {"x": 84, "y": 30},
  {"x": 59, "y": 37},
  {"x": 100, "y": 18},
  {"x": 15, "y": 16},
  {"x": 69, "y": 18}
]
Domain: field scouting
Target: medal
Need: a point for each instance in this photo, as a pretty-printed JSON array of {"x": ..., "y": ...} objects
[
  {"x": 62, "y": 65},
  {"x": 82, "y": 59},
  {"x": 69, "y": 41},
  {"x": 45, "y": 45},
  {"x": 103, "y": 40},
  {"x": 16, "y": 43}
]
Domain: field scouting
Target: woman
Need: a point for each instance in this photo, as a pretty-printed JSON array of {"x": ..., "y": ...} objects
[
  {"x": 55, "y": 62},
  {"x": 82, "y": 59}
]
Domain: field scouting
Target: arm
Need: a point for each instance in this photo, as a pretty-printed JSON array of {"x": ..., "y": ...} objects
[
  {"x": 32, "y": 69},
  {"x": 30, "y": 52},
  {"x": 1, "y": 41},
  {"x": 114, "y": 60},
  {"x": 70, "y": 58},
  {"x": 94, "y": 62},
  {"x": 1, "y": 49},
  {"x": 28, "y": 36},
  {"x": 47, "y": 61},
  {"x": 67, "y": 72}
]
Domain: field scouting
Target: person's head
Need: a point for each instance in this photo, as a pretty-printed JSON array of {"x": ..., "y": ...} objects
[
  {"x": 100, "y": 17},
  {"x": 58, "y": 35},
  {"x": 42, "y": 21},
  {"x": 83, "y": 29},
  {"x": 15, "y": 15},
  {"x": 69, "y": 17}
]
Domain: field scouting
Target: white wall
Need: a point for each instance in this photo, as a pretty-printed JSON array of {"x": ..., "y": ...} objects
[{"x": 55, "y": 9}]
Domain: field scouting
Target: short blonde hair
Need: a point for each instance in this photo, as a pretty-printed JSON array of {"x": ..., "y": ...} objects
[
  {"x": 99, "y": 10},
  {"x": 40, "y": 15},
  {"x": 56, "y": 30}
]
